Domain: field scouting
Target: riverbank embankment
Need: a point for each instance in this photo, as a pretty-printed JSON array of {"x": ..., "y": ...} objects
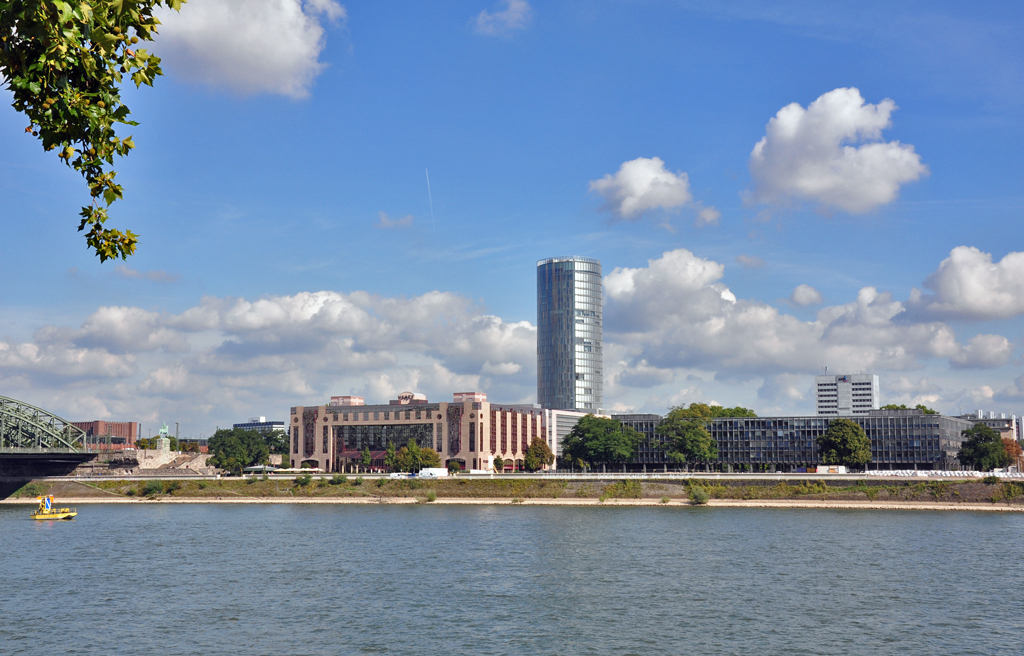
[{"x": 866, "y": 493}]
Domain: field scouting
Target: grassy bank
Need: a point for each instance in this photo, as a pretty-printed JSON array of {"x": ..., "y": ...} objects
[{"x": 949, "y": 492}]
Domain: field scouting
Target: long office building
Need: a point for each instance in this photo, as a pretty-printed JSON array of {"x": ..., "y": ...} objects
[
  {"x": 846, "y": 395},
  {"x": 569, "y": 320},
  {"x": 261, "y": 425},
  {"x": 900, "y": 439},
  {"x": 469, "y": 430}
]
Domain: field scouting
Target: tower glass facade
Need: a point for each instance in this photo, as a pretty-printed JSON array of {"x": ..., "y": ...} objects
[{"x": 569, "y": 349}]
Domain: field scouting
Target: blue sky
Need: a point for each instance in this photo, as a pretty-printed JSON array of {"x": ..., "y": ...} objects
[{"x": 267, "y": 155}]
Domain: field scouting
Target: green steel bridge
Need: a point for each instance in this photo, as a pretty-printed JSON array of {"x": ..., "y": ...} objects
[{"x": 36, "y": 442}]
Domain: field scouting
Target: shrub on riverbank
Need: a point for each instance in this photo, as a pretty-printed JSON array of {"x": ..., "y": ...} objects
[
  {"x": 30, "y": 490},
  {"x": 622, "y": 490},
  {"x": 699, "y": 496}
]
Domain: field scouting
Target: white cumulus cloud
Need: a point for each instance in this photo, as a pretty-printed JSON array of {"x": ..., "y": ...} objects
[
  {"x": 675, "y": 313},
  {"x": 229, "y": 357},
  {"x": 670, "y": 323},
  {"x": 969, "y": 285},
  {"x": 641, "y": 185},
  {"x": 832, "y": 154},
  {"x": 805, "y": 295},
  {"x": 516, "y": 15},
  {"x": 984, "y": 351},
  {"x": 248, "y": 46},
  {"x": 643, "y": 374}
]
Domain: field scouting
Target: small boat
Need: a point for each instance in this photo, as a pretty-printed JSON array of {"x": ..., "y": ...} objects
[{"x": 46, "y": 510}]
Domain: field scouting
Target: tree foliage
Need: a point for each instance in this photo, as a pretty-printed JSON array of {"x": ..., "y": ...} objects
[
  {"x": 499, "y": 464},
  {"x": 685, "y": 426},
  {"x": 844, "y": 443},
  {"x": 596, "y": 441},
  {"x": 63, "y": 61},
  {"x": 688, "y": 438},
  {"x": 411, "y": 458},
  {"x": 919, "y": 406},
  {"x": 538, "y": 455},
  {"x": 277, "y": 441},
  {"x": 982, "y": 449},
  {"x": 690, "y": 442},
  {"x": 705, "y": 411},
  {"x": 390, "y": 457},
  {"x": 1013, "y": 451},
  {"x": 366, "y": 457},
  {"x": 235, "y": 449}
]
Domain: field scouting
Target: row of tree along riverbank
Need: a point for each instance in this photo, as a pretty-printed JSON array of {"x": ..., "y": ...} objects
[{"x": 697, "y": 490}]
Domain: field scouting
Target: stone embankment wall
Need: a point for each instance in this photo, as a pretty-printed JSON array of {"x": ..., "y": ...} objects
[{"x": 152, "y": 462}]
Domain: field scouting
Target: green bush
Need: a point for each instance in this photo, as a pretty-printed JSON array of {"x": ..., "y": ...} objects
[
  {"x": 250, "y": 481},
  {"x": 381, "y": 482},
  {"x": 431, "y": 496},
  {"x": 1012, "y": 490},
  {"x": 151, "y": 488},
  {"x": 338, "y": 479},
  {"x": 130, "y": 492},
  {"x": 202, "y": 485},
  {"x": 171, "y": 486},
  {"x": 31, "y": 490},
  {"x": 358, "y": 481},
  {"x": 811, "y": 487},
  {"x": 939, "y": 488},
  {"x": 699, "y": 496},
  {"x": 990, "y": 480},
  {"x": 303, "y": 480},
  {"x": 665, "y": 499},
  {"x": 622, "y": 490}
]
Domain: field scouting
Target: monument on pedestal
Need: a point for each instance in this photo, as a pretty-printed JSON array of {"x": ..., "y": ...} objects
[{"x": 163, "y": 442}]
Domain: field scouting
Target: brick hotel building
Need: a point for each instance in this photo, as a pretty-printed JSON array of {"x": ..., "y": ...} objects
[{"x": 469, "y": 429}]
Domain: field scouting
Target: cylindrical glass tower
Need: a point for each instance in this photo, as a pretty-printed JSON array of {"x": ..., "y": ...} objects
[{"x": 569, "y": 316}]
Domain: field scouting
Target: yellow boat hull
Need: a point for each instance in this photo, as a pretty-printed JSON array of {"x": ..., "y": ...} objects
[{"x": 63, "y": 513}]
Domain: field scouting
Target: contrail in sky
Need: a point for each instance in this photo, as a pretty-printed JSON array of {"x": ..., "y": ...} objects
[{"x": 431, "y": 199}]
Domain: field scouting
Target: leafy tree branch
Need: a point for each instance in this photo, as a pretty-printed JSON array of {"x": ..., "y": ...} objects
[{"x": 63, "y": 61}]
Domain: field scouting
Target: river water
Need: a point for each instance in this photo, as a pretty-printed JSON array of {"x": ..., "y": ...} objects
[{"x": 295, "y": 579}]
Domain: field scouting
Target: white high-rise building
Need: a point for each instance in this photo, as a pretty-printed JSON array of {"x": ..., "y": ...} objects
[
  {"x": 569, "y": 351},
  {"x": 846, "y": 394}
]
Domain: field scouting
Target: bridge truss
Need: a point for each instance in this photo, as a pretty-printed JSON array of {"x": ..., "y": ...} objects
[{"x": 26, "y": 428}]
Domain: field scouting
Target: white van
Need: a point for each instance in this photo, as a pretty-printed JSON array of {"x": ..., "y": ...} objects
[{"x": 433, "y": 472}]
